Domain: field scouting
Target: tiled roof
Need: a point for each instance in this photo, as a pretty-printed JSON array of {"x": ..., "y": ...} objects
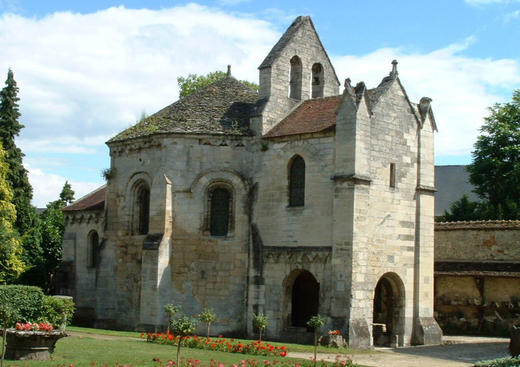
[
  {"x": 92, "y": 201},
  {"x": 312, "y": 116},
  {"x": 451, "y": 183},
  {"x": 223, "y": 107},
  {"x": 478, "y": 225}
]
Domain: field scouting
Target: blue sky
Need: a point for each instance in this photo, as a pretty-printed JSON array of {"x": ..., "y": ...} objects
[{"x": 88, "y": 69}]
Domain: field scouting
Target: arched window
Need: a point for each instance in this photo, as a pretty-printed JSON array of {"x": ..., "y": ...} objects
[
  {"x": 317, "y": 80},
  {"x": 297, "y": 181},
  {"x": 93, "y": 249},
  {"x": 141, "y": 210},
  {"x": 220, "y": 211},
  {"x": 295, "y": 83}
]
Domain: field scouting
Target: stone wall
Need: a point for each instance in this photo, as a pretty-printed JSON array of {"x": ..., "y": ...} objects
[
  {"x": 79, "y": 278},
  {"x": 477, "y": 276},
  {"x": 188, "y": 265}
]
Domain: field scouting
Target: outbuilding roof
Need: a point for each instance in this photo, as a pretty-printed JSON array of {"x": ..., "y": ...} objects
[
  {"x": 92, "y": 201},
  {"x": 311, "y": 116},
  {"x": 223, "y": 107}
]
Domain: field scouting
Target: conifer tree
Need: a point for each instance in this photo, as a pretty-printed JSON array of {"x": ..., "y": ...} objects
[
  {"x": 26, "y": 222},
  {"x": 11, "y": 265},
  {"x": 10, "y": 128}
]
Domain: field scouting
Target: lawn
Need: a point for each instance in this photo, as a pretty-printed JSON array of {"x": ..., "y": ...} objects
[{"x": 88, "y": 349}]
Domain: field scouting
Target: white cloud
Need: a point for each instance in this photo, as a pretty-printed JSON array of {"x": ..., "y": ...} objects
[
  {"x": 47, "y": 186},
  {"x": 232, "y": 2},
  {"x": 461, "y": 87},
  {"x": 489, "y": 2},
  {"x": 83, "y": 75}
]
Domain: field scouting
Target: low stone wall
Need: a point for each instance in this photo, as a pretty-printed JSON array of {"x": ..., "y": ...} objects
[{"x": 477, "y": 277}]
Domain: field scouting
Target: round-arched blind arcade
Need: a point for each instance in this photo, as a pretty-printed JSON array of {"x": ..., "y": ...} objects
[
  {"x": 220, "y": 202},
  {"x": 297, "y": 182}
]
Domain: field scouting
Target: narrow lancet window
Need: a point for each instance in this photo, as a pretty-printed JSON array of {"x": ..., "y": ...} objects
[
  {"x": 141, "y": 212},
  {"x": 93, "y": 249},
  {"x": 295, "y": 83},
  {"x": 297, "y": 182},
  {"x": 220, "y": 200},
  {"x": 392, "y": 175},
  {"x": 317, "y": 81}
]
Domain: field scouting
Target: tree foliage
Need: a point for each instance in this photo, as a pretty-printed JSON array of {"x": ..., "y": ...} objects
[
  {"x": 11, "y": 264},
  {"x": 194, "y": 82},
  {"x": 495, "y": 170},
  {"x": 50, "y": 228},
  {"x": 17, "y": 176},
  {"x": 461, "y": 210}
]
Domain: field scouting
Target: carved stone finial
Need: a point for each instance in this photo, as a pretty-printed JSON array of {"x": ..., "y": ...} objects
[
  {"x": 347, "y": 83},
  {"x": 394, "y": 72},
  {"x": 229, "y": 70}
]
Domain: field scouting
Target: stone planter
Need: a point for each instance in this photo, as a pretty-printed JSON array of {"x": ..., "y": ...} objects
[
  {"x": 31, "y": 344},
  {"x": 335, "y": 341}
]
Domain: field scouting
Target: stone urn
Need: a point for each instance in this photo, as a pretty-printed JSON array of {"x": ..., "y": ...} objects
[{"x": 27, "y": 345}]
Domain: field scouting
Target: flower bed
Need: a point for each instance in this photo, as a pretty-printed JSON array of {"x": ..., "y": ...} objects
[
  {"x": 217, "y": 344},
  {"x": 190, "y": 362}
]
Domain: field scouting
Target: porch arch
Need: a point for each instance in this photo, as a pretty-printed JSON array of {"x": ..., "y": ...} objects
[{"x": 388, "y": 310}]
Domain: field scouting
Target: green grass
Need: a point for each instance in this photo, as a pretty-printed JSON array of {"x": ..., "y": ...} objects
[
  {"x": 290, "y": 346},
  {"x": 123, "y": 348},
  {"x": 79, "y": 329}
]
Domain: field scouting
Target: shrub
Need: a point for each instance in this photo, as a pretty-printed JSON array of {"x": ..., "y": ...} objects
[
  {"x": 57, "y": 311},
  {"x": 208, "y": 316},
  {"x": 25, "y": 300},
  {"x": 260, "y": 323},
  {"x": 500, "y": 362}
]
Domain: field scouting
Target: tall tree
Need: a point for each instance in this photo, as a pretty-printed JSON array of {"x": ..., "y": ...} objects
[
  {"x": 193, "y": 82},
  {"x": 11, "y": 265},
  {"x": 52, "y": 229},
  {"x": 495, "y": 170},
  {"x": 10, "y": 128}
]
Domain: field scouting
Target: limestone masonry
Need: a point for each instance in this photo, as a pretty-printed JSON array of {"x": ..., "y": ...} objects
[{"x": 292, "y": 201}]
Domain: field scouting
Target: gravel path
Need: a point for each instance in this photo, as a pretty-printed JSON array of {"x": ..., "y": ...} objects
[{"x": 457, "y": 352}]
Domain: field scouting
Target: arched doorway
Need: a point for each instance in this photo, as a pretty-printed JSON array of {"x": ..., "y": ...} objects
[
  {"x": 388, "y": 311},
  {"x": 305, "y": 298}
]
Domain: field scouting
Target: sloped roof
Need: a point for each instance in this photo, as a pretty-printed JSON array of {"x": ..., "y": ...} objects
[
  {"x": 311, "y": 116},
  {"x": 92, "y": 201},
  {"x": 286, "y": 39},
  {"x": 451, "y": 183},
  {"x": 223, "y": 107}
]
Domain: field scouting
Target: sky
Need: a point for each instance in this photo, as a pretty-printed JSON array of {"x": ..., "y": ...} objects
[{"x": 89, "y": 69}]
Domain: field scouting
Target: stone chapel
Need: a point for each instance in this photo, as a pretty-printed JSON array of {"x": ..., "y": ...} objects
[{"x": 293, "y": 201}]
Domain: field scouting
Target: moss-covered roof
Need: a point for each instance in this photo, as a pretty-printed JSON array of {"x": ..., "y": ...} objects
[{"x": 222, "y": 108}]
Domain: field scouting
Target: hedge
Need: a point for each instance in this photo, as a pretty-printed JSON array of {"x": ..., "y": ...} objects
[{"x": 26, "y": 300}]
